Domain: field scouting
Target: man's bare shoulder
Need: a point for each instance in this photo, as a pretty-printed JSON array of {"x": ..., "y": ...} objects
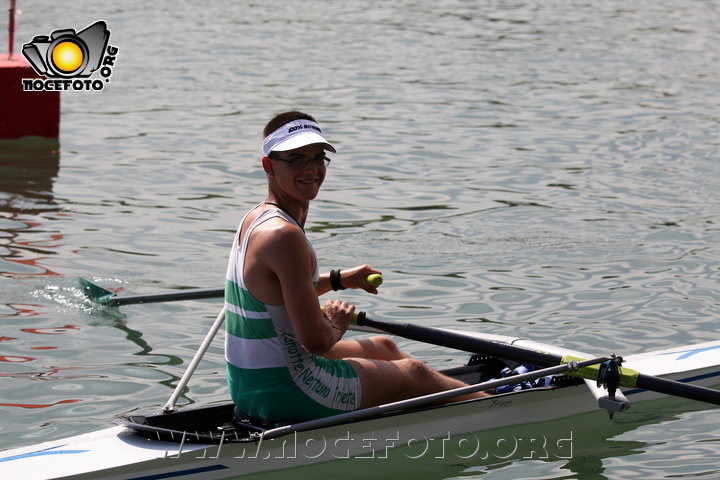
[{"x": 277, "y": 235}]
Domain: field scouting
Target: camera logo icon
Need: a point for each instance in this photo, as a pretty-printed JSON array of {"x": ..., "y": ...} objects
[
  {"x": 67, "y": 54},
  {"x": 67, "y": 58}
]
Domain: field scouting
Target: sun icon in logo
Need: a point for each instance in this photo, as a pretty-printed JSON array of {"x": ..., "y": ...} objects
[{"x": 67, "y": 56}]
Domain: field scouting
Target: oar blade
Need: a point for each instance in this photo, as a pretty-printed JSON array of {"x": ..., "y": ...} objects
[{"x": 95, "y": 292}]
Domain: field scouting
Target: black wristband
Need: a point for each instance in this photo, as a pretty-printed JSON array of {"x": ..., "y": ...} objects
[{"x": 335, "y": 282}]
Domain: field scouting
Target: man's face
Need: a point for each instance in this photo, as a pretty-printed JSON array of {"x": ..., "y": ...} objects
[{"x": 300, "y": 172}]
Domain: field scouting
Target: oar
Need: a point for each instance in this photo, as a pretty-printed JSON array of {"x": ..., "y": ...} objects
[
  {"x": 627, "y": 377},
  {"x": 103, "y": 296}
]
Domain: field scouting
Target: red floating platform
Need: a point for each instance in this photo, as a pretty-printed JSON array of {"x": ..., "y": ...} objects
[{"x": 23, "y": 113}]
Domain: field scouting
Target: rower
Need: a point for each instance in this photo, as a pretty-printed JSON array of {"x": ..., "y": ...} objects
[{"x": 285, "y": 358}]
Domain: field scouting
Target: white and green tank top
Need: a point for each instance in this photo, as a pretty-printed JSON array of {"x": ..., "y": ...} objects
[{"x": 270, "y": 374}]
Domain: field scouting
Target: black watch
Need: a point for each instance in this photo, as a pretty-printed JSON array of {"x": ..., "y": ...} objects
[{"x": 335, "y": 282}]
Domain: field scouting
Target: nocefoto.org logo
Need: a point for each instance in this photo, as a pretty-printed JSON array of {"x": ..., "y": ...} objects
[{"x": 67, "y": 58}]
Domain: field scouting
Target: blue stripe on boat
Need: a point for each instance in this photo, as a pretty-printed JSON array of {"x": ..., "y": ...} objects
[
  {"x": 181, "y": 473},
  {"x": 41, "y": 453},
  {"x": 690, "y": 353}
]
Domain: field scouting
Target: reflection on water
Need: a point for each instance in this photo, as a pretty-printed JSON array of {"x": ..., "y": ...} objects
[
  {"x": 28, "y": 168},
  {"x": 44, "y": 405},
  {"x": 588, "y": 446},
  {"x": 42, "y": 369}
]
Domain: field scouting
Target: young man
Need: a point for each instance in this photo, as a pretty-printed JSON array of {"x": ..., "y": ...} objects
[{"x": 285, "y": 357}]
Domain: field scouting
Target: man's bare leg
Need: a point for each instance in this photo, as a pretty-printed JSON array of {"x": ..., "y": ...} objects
[
  {"x": 375, "y": 348},
  {"x": 391, "y": 381}
]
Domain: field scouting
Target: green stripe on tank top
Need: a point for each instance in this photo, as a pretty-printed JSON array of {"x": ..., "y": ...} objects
[
  {"x": 239, "y": 296},
  {"x": 250, "y": 328},
  {"x": 242, "y": 326}
]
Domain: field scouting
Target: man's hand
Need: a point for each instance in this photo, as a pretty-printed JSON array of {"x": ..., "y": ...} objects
[
  {"x": 355, "y": 278},
  {"x": 339, "y": 314}
]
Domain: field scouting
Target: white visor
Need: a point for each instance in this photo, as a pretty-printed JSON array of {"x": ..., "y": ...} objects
[{"x": 295, "y": 134}]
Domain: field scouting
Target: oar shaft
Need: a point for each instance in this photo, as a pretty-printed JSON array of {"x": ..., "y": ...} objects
[
  {"x": 629, "y": 378},
  {"x": 106, "y": 297},
  {"x": 678, "y": 389},
  {"x": 462, "y": 342},
  {"x": 191, "y": 294}
]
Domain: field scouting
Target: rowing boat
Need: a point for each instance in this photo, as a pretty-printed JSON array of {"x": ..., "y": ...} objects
[{"x": 210, "y": 443}]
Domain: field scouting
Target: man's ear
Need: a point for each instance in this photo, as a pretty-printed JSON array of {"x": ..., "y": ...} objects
[{"x": 267, "y": 166}]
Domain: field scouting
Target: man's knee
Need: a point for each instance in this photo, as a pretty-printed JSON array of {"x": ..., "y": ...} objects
[
  {"x": 417, "y": 369},
  {"x": 388, "y": 345}
]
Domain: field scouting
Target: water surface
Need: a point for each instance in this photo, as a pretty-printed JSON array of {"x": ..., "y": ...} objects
[{"x": 540, "y": 169}]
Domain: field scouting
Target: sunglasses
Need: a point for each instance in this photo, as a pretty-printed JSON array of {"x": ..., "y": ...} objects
[{"x": 298, "y": 161}]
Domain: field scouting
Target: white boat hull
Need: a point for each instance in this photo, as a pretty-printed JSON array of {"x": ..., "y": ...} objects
[{"x": 118, "y": 453}]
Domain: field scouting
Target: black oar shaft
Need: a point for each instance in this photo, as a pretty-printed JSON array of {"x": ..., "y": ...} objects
[
  {"x": 103, "y": 296},
  {"x": 679, "y": 389},
  {"x": 462, "y": 342},
  {"x": 191, "y": 294},
  {"x": 471, "y": 344}
]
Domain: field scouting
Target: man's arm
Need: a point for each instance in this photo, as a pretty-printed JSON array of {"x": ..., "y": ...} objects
[
  {"x": 287, "y": 255},
  {"x": 349, "y": 278}
]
